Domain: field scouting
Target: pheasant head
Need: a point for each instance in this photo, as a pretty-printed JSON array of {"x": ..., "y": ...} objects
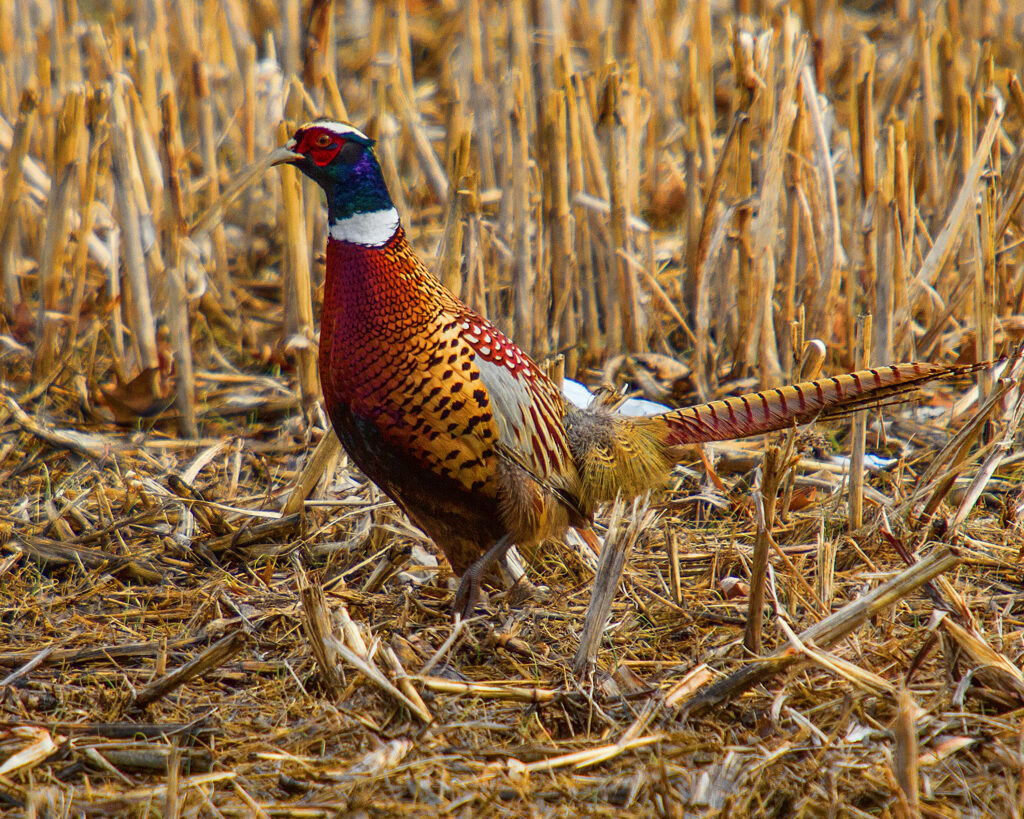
[{"x": 340, "y": 158}]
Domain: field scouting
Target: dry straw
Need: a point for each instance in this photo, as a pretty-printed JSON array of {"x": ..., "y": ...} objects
[{"x": 206, "y": 612}]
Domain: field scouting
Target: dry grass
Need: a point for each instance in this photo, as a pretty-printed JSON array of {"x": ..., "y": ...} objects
[{"x": 676, "y": 198}]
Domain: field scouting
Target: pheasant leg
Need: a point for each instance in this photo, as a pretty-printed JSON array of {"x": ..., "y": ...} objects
[{"x": 468, "y": 594}]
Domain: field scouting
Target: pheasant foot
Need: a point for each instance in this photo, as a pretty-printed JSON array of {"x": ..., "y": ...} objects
[{"x": 468, "y": 594}]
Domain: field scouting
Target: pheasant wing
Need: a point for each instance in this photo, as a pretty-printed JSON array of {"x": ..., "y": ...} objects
[{"x": 468, "y": 399}]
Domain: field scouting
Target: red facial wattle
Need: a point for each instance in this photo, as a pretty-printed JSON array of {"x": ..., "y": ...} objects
[
  {"x": 324, "y": 156},
  {"x": 320, "y": 146}
]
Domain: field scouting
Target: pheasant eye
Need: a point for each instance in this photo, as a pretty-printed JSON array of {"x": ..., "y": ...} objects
[{"x": 322, "y": 141}]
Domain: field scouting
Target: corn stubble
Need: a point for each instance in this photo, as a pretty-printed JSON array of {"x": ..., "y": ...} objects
[{"x": 723, "y": 186}]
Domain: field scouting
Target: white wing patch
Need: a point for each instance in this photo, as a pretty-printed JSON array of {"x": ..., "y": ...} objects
[{"x": 510, "y": 399}]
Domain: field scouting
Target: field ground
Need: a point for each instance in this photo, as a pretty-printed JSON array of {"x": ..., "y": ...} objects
[{"x": 676, "y": 198}]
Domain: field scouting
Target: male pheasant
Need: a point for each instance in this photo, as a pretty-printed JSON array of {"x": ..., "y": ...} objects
[{"x": 455, "y": 423}]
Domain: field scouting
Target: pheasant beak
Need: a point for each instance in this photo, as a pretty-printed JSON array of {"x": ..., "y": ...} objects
[{"x": 285, "y": 155}]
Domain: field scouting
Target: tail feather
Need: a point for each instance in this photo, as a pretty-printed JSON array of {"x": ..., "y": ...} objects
[
  {"x": 782, "y": 407},
  {"x": 618, "y": 454}
]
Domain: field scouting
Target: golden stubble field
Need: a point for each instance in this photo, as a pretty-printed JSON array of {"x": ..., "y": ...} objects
[{"x": 198, "y": 618}]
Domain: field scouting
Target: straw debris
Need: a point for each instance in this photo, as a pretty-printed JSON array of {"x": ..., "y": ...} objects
[{"x": 206, "y": 610}]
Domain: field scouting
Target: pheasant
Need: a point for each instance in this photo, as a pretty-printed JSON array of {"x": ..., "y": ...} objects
[{"x": 457, "y": 424}]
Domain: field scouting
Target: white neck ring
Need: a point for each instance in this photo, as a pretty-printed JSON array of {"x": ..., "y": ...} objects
[{"x": 372, "y": 229}]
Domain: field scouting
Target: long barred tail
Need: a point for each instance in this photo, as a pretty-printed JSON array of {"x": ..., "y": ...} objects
[
  {"x": 618, "y": 454},
  {"x": 761, "y": 412}
]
